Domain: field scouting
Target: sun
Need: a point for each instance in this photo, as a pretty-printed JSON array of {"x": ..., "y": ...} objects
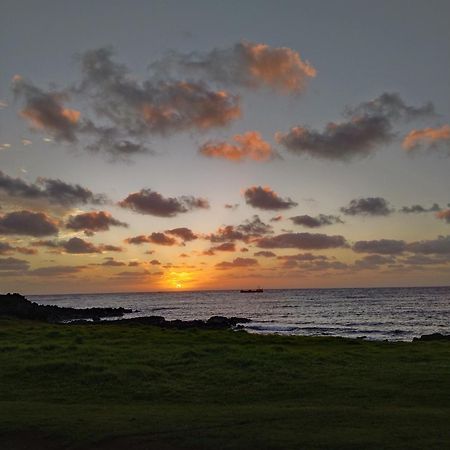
[{"x": 178, "y": 285}]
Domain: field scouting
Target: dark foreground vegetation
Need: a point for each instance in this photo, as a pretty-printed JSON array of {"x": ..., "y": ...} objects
[{"x": 143, "y": 387}]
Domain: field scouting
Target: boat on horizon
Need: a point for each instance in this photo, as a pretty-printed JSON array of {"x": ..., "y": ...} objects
[{"x": 248, "y": 291}]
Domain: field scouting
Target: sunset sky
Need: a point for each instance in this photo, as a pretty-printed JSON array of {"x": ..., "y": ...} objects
[{"x": 162, "y": 145}]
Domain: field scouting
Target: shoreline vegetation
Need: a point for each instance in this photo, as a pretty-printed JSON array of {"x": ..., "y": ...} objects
[{"x": 146, "y": 386}]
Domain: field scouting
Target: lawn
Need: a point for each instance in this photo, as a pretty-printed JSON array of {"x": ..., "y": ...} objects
[{"x": 141, "y": 387}]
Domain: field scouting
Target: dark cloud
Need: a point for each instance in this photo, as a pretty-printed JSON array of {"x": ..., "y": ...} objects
[
  {"x": 370, "y": 206},
  {"x": 150, "y": 202},
  {"x": 233, "y": 206},
  {"x": 111, "y": 262},
  {"x": 373, "y": 261},
  {"x": 339, "y": 141},
  {"x": 45, "y": 110},
  {"x": 381, "y": 246},
  {"x": 13, "y": 265},
  {"x": 304, "y": 257},
  {"x": 92, "y": 222},
  {"x": 418, "y": 209},
  {"x": 315, "y": 222},
  {"x": 6, "y": 248},
  {"x": 185, "y": 234},
  {"x": 439, "y": 246},
  {"x": 266, "y": 198},
  {"x": 391, "y": 106},
  {"x": 155, "y": 262},
  {"x": 140, "y": 109},
  {"x": 54, "y": 191},
  {"x": 247, "y": 231},
  {"x": 307, "y": 241},
  {"x": 308, "y": 262},
  {"x": 137, "y": 240},
  {"x": 246, "y": 64},
  {"x": 265, "y": 254},
  {"x": 423, "y": 260},
  {"x": 237, "y": 262},
  {"x": 276, "y": 219},
  {"x": 28, "y": 224},
  {"x": 161, "y": 239},
  {"x": 56, "y": 271},
  {"x": 225, "y": 247},
  {"x": 77, "y": 245},
  {"x": 366, "y": 126}
]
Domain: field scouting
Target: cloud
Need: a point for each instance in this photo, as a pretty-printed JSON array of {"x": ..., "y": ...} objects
[
  {"x": 339, "y": 141},
  {"x": 276, "y": 218},
  {"x": 54, "y": 191},
  {"x": 45, "y": 110},
  {"x": 315, "y": 222},
  {"x": 77, "y": 245},
  {"x": 246, "y": 64},
  {"x": 308, "y": 262},
  {"x": 237, "y": 262},
  {"x": 150, "y": 202},
  {"x": 247, "y": 231},
  {"x": 137, "y": 240},
  {"x": 266, "y": 198},
  {"x": 185, "y": 234},
  {"x": 381, "y": 246},
  {"x": 161, "y": 239},
  {"x": 94, "y": 221},
  {"x": 225, "y": 247},
  {"x": 28, "y": 224},
  {"x": 366, "y": 126},
  {"x": 391, "y": 106},
  {"x": 444, "y": 215},
  {"x": 428, "y": 138},
  {"x": 111, "y": 262},
  {"x": 56, "y": 271},
  {"x": 373, "y": 261},
  {"x": 439, "y": 246},
  {"x": 265, "y": 254},
  {"x": 249, "y": 145},
  {"x": 231, "y": 206},
  {"x": 417, "y": 209},
  {"x": 306, "y": 241},
  {"x": 370, "y": 206},
  {"x": 162, "y": 107},
  {"x": 13, "y": 265},
  {"x": 304, "y": 257},
  {"x": 6, "y": 248}
]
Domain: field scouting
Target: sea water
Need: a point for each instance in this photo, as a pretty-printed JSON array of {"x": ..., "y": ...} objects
[{"x": 373, "y": 313}]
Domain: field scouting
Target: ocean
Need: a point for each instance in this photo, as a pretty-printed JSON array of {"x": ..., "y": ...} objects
[{"x": 370, "y": 313}]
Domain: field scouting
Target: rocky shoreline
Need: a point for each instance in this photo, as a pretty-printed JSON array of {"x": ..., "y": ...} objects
[{"x": 16, "y": 305}]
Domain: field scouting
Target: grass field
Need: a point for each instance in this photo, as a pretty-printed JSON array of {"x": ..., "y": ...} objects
[{"x": 138, "y": 387}]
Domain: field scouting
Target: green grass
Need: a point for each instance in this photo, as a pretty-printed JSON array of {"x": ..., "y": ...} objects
[{"x": 137, "y": 387}]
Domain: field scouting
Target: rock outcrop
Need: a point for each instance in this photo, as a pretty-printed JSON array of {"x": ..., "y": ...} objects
[
  {"x": 17, "y": 305},
  {"x": 433, "y": 337}
]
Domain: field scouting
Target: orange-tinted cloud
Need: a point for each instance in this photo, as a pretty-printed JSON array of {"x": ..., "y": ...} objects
[
  {"x": 444, "y": 215},
  {"x": 45, "y": 110},
  {"x": 249, "y": 145},
  {"x": 428, "y": 137},
  {"x": 247, "y": 64},
  {"x": 280, "y": 68}
]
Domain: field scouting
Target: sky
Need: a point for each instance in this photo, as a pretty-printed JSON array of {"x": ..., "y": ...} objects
[{"x": 164, "y": 145}]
